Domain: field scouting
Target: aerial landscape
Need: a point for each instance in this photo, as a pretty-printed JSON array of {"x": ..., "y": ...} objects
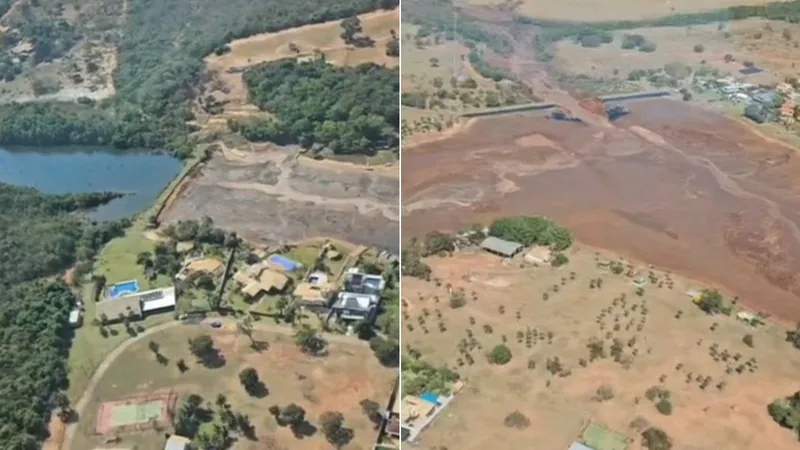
[
  {"x": 608, "y": 258},
  {"x": 200, "y": 224}
]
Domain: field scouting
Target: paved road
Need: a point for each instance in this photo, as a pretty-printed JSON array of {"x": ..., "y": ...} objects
[{"x": 83, "y": 401}]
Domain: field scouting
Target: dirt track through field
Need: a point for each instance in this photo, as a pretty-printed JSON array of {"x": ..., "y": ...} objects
[{"x": 670, "y": 184}]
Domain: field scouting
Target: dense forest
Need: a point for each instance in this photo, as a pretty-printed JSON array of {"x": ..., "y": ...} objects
[
  {"x": 34, "y": 345},
  {"x": 318, "y": 103},
  {"x": 42, "y": 235}
]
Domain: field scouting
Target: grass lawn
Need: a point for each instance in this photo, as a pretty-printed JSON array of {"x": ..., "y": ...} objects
[
  {"x": 117, "y": 262},
  {"x": 599, "y": 437},
  {"x": 89, "y": 347}
]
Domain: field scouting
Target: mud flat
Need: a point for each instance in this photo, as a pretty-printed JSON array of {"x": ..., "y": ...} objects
[
  {"x": 272, "y": 196},
  {"x": 670, "y": 184}
]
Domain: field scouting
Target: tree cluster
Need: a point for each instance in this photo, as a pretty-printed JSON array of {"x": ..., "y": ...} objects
[
  {"x": 530, "y": 230},
  {"x": 346, "y": 109},
  {"x": 419, "y": 376}
]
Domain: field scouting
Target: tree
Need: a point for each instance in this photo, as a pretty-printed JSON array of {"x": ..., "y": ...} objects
[
  {"x": 604, "y": 393},
  {"x": 437, "y": 243},
  {"x": 393, "y": 48},
  {"x": 202, "y": 347},
  {"x": 309, "y": 340},
  {"x": 364, "y": 330},
  {"x": 529, "y": 230},
  {"x": 500, "y": 355},
  {"x": 332, "y": 425},
  {"x": 699, "y": 48},
  {"x": 245, "y": 326},
  {"x": 292, "y": 415},
  {"x": 748, "y": 340},
  {"x": 710, "y": 301},
  {"x": 386, "y": 350},
  {"x": 372, "y": 410},
  {"x": 664, "y": 407},
  {"x": 154, "y": 347},
  {"x": 205, "y": 282},
  {"x": 250, "y": 381},
  {"x": 656, "y": 439}
]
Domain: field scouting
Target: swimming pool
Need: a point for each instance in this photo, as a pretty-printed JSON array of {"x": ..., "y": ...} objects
[{"x": 123, "y": 288}]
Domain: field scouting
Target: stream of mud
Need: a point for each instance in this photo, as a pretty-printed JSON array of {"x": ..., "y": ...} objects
[{"x": 670, "y": 184}]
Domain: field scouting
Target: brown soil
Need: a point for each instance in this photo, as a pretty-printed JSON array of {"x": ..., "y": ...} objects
[
  {"x": 504, "y": 300},
  {"x": 715, "y": 202}
]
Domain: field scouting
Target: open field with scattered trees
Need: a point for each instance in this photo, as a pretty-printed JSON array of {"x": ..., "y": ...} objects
[{"x": 587, "y": 338}]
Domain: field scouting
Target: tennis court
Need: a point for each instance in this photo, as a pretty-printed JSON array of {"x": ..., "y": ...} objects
[
  {"x": 123, "y": 288},
  {"x": 133, "y": 413},
  {"x": 599, "y": 437}
]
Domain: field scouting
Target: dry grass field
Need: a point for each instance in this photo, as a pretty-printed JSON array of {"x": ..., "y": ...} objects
[
  {"x": 602, "y": 10},
  {"x": 543, "y": 313},
  {"x": 440, "y": 72},
  {"x": 337, "y": 382},
  {"x": 227, "y": 86},
  {"x": 771, "y": 45}
]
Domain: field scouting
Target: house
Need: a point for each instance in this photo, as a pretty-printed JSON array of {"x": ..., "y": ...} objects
[
  {"x": 539, "y": 255},
  {"x": 363, "y": 283},
  {"x": 501, "y": 247},
  {"x": 579, "y": 446},
  {"x": 75, "y": 318},
  {"x": 209, "y": 266},
  {"x": 176, "y": 442},
  {"x": 259, "y": 279},
  {"x": 133, "y": 306},
  {"x": 356, "y": 306},
  {"x": 315, "y": 292}
]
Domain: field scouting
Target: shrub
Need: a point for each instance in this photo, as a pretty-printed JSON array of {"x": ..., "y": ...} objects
[
  {"x": 559, "y": 259},
  {"x": 604, "y": 393},
  {"x": 699, "y": 48},
  {"x": 500, "y": 355},
  {"x": 664, "y": 407},
  {"x": 748, "y": 340},
  {"x": 591, "y": 41},
  {"x": 656, "y": 439},
  {"x": 516, "y": 420},
  {"x": 648, "y": 47},
  {"x": 457, "y": 300}
]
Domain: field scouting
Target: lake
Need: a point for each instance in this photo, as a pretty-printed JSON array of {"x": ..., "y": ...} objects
[{"x": 64, "y": 170}]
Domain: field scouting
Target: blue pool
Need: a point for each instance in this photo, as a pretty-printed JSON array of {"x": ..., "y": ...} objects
[{"x": 124, "y": 288}]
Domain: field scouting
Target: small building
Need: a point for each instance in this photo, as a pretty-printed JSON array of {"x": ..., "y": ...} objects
[
  {"x": 363, "y": 283},
  {"x": 416, "y": 410},
  {"x": 356, "y": 306},
  {"x": 75, "y": 318},
  {"x": 200, "y": 265},
  {"x": 539, "y": 255},
  {"x": 184, "y": 247},
  {"x": 176, "y": 442},
  {"x": 501, "y": 247},
  {"x": 259, "y": 279},
  {"x": 579, "y": 446}
]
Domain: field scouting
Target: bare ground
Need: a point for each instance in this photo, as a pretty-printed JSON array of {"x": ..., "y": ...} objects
[
  {"x": 337, "y": 382},
  {"x": 270, "y": 195},
  {"x": 510, "y": 299}
]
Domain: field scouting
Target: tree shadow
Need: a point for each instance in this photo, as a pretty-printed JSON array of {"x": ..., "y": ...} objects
[
  {"x": 163, "y": 360},
  {"x": 258, "y": 391},
  {"x": 213, "y": 360},
  {"x": 259, "y": 346},
  {"x": 304, "y": 430}
]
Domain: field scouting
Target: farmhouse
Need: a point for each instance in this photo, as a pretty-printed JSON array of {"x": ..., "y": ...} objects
[
  {"x": 134, "y": 305},
  {"x": 501, "y": 247}
]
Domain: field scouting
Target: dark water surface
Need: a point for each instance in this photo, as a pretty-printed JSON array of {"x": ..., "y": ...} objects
[{"x": 141, "y": 175}]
